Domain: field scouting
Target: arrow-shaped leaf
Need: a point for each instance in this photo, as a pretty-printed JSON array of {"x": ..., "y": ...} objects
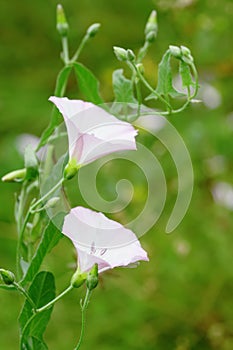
[
  {"x": 88, "y": 84},
  {"x": 32, "y": 326},
  {"x": 164, "y": 86}
]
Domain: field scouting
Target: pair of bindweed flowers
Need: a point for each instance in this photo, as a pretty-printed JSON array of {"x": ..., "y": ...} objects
[{"x": 101, "y": 243}]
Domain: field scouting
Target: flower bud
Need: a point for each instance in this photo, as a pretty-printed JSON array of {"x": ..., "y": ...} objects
[
  {"x": 7, "y": 276},
  {"x": 150, "y": 37},
  {"x": 185, "y": 51},
  {"x": 62, "y": 25},
  {"x": 71, "y": 169},
  {"x": 93, "y": 30},
  {"x": 121, "y": 54},
  {"x": 51, "y": 202},
  {"x": 15, "y": 176},
  {"x": 131, "y": 55},
  {"x": 92, "y": 277},
  {"x": 175, "y": 51},
  {"x": 152, "y": 25},
  {"x": 186, "y": 55},
  {"x": 78, "y": 279}
]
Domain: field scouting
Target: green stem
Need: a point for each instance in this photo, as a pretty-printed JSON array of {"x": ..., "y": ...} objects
[
  {"x": 145, "y": 82},
  {"x": 58, "y": 185},
  {"x": 19, "y": 215},
  {"x": 19, "y": 244},
  {"x": 83, "y": 310},
  {"x": 47, "y": 306},
  {"x": 139, "y": 97},
  {"x": 27, "y": 296},
  {"x": 142, "y": 52},
  {"x": 80, "y": 48},
  {"x": 65, "y": 48},
  {"x": 22, "y": 229}
]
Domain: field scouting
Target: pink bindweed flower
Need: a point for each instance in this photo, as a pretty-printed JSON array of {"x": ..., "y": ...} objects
[
  {"x": 100, "y": 240},
  {"x": 93, "y": 132}
]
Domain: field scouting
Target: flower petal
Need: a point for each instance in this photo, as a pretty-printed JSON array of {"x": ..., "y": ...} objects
[
  {"x": 101, "y": 240},
  {"x": 93, "y": 132}
]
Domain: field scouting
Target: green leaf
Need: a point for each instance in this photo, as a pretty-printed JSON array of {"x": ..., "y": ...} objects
[
  {"x": 32, "y": 326},
  {"x": 38, "y": 344},
  {"x": 164, "y": 86},
  {"x": 123, "y": 88},
  {"x": 88, "y": 84},
  {"x": 60, "y": 88},
  {"x": 51, "y": 236},
  {"x": 186, "y": 75}
]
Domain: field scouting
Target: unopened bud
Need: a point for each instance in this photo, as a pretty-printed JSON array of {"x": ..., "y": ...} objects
[
  {"x": 175, "y": 51},
  {"x": 150, "y": 37},
  {"x": 131, "y": 55},
  {"x": 51, "y": 202},
  {"x": 71, "y": 169},
  {"x": 152, "y": 24},
  {"x": 92, "y": 277},
  {"x": 93, "y": 29},
  {"x": 62, "y": 25},
  {"x": 121, "y": 54},
  {"x": 78, "y": 279},
  {"x": 185, "y": 51},
  {"x": 15, "y": 176},
  {"x": 186, "y": 55},
  {"x": 7, "y": 276}
]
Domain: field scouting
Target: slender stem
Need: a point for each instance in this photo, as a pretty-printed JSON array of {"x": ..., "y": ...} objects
[
  {"x": 145, "y": 82},
  {"x": 27, "y": 296},
  {"x": 22, "y": 229},
  {"x": 143, "y": 51},
  {"x": 20, "y": 210},
  {"x": 65, "y": 48},
  {"x": 139, "y": 97},
  {"x": 80, "y": 48},
  {"x": 19, "y": 243},
  {"x": 83, "y": 311},
  {"x": 47, "y": 306},
  {"x": 58, "y": 185}
]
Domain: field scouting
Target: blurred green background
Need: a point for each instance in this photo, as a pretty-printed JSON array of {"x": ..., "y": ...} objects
[{"x": 182, "y": 298}]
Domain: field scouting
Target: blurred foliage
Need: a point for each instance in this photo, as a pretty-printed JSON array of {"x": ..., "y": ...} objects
[{"x": 182, "y": 298}]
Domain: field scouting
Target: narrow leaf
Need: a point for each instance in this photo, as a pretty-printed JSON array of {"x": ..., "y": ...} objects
[
  {"x": 51, "y": 236},
  {"x": 88, "y": 84},
  {"x": 38, "y": 344},
  {"x": 61, "y": 83},
  {"x": 164, "y": 86},
  {"x": 32, "y": 326},
  {"x": 30, "y": 162},
  {"x": 186, "y": 75}
]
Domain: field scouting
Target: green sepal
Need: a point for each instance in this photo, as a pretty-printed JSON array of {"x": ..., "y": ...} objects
[
  {"x": 71, "y": 169},
  {"x": 78, "y": 279},
  {"x": 92, "y": 277},
  {"x": 7, "y": 276}
]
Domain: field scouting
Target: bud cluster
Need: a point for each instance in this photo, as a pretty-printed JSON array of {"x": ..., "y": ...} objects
[
  {"x": 182, "y": 53},
  {"x": 91, "y": 278}
]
